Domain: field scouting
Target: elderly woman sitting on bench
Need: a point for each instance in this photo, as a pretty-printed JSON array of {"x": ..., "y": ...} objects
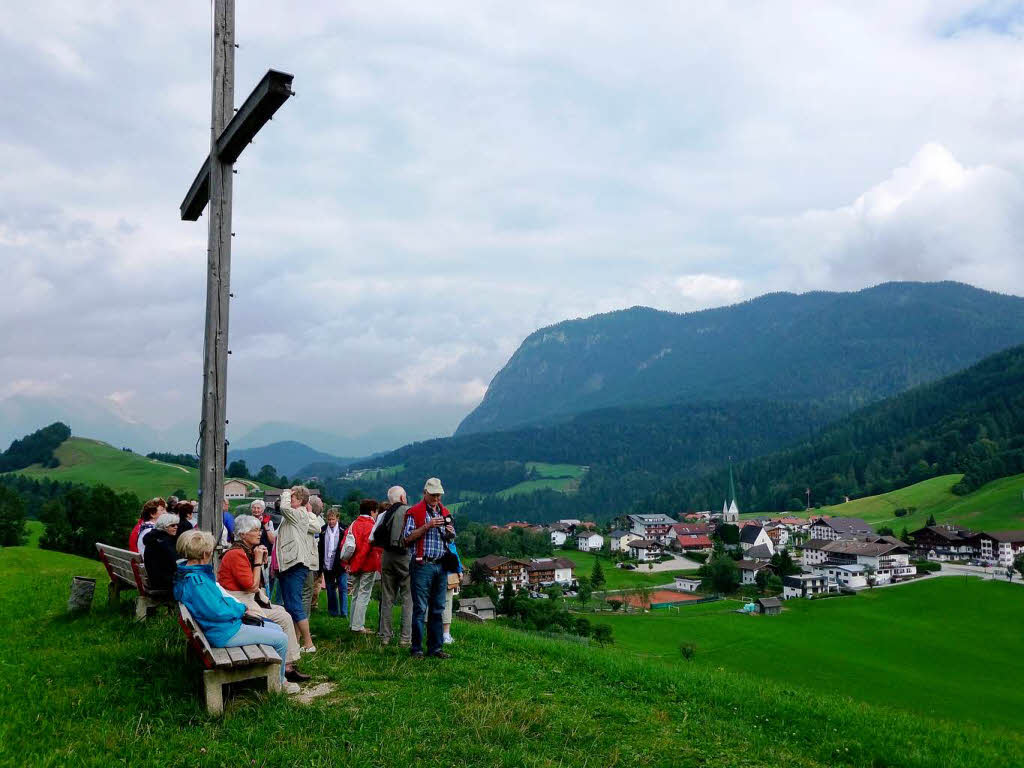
[{"x": 218, "y": 614}]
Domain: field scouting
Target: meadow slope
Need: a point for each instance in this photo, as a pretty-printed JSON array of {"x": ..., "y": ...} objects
[{"x": 100, "y": 690}]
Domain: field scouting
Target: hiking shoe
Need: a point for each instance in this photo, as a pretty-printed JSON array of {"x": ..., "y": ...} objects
[
  {"x": 294, "y": 676},
  {"x": 291, "y": 688},
  {"x": 311, "y": 649},
  {"x": 416, "y": 654},
  {"x": 440, "y": 655}
]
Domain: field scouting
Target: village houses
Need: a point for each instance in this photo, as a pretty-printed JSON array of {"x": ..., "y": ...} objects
[
  {"x": 839, "y": 528},
  {"x": 650, "y": 526},
  {"x": 645, "y": 549},
  {"x": 755, "y": 536},
  {"x": 618, "y": 540},
  {"x": 588, "y": 541}
]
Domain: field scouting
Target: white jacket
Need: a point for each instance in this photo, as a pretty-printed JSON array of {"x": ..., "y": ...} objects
[{"x": 295, "y": 542}]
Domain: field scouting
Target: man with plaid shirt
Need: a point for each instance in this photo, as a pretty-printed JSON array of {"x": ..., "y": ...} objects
[{"x": 428, "y": 529}]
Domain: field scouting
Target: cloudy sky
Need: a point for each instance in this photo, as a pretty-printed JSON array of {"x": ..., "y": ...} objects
[{"x": 453, "y": 175}]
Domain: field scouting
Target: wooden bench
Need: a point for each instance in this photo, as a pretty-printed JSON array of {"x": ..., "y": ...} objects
[
  {"x": 127, "y": 572},
  {"x": 229, "y": 665}
]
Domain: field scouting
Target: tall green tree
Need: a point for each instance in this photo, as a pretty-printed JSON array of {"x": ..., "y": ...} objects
[
  {"x": 584, "y": 590},
  {"x": 508, "y": 596},
  {"x": 597, "y": 575},
  {"x": 724, "y": 574},
  {"x": 238, "y": 468}
]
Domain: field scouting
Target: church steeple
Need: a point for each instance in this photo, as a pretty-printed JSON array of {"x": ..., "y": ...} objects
[{"x": 732, "y": 484}]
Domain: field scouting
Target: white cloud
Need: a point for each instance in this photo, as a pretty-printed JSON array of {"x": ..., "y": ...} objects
[{"x": 454, "y": 175}]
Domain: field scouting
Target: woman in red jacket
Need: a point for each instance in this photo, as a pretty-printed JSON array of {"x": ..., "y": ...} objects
[{"x": 364, "y": 564}]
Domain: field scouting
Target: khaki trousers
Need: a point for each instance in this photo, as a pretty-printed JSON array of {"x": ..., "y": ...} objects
[{"x": 276, "y": 614}]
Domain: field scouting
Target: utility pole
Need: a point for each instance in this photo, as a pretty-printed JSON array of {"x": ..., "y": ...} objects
[{"x": 231, "y": 131}]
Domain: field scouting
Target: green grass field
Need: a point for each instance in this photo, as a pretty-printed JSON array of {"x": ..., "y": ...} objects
[
  {"x": 564, "y": 478},
  {"x": 617, "y": 578},
  {"x": 92, "y": 462},
  {"x": 101, "y": 690},
  {"x": 556, "y": 470},
  {"x": 998, "y": 505},
  {"x": 946, "y": 647}
]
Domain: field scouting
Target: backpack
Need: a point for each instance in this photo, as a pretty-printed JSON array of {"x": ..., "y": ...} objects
[
  {"x": 382, "y": 532},
  {"x": 348, "y": 547}
]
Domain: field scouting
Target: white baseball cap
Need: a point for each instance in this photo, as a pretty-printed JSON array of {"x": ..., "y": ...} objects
[{"x": 432, "y": 486}]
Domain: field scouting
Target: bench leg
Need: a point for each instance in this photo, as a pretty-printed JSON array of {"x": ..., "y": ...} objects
[
  {"x": 273, "y": 678},
  {"x": 213, "y": 688},
  {"x": 113, "y": 592},
  {"x": 142, "y": 605}
]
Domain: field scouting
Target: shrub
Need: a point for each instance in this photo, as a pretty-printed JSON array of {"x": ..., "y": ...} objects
[
  {"x": 12, "y": 519},
  {"x": 700, "y": 557},
  {"x": 900, "y": 512},
  {"x": 582, "y": 627},
  {"x": 688, "y": 650},
  {"x": 83, "y": 516},
  {"x": 615, "y": 604},
  {"x": 927, "y": 566},
  {"x": 603, "y": 634}
]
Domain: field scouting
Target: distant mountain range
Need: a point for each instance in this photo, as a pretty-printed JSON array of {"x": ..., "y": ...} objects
[
  {"x": 838, "y": 350},
  {"x": 287, "y": 457}
]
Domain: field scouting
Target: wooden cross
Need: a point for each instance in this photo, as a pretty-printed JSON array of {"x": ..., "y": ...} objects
[{"x": 231, "y": 131}]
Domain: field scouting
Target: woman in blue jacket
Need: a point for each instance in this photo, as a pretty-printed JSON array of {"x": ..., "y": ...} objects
[{"x": 219, "y": 615}]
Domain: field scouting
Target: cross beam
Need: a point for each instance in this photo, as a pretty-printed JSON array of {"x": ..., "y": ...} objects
[
  {"x": 266, "y": 98},
  {"x": 230, "y": 132}
]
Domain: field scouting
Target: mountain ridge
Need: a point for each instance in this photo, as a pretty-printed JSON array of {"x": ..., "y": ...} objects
[{"x": 844, "y": 349}]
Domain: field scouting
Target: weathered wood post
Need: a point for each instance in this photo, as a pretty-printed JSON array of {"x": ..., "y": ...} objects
[
  {"x": 213, "y": 424},
  {"x": 230, "y": 132}
]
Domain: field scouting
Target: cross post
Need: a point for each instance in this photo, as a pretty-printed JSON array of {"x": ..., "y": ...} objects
[{"x": 230, "y": 133}]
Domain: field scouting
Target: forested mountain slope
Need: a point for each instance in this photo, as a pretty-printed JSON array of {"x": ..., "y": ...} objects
[
  {"x": 970, "y": 423},
  {"x": 838, "y": 350}
]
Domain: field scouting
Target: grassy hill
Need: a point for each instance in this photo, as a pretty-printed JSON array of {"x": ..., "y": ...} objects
[
  {"x": 941, "y": 647},
  {"x": 100, "y": 690},
  {"x": 996, "y": 506},
  {"x": 92, "y": 462}
]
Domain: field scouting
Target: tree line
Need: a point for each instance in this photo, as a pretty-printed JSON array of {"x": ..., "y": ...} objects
[{"x": 36, "y": 448}]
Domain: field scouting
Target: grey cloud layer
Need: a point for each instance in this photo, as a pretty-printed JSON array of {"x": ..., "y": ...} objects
[{"x": 454, "y": 175}]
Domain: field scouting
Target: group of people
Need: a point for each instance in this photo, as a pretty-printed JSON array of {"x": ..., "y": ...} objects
[{"x": 410, "y": 550}]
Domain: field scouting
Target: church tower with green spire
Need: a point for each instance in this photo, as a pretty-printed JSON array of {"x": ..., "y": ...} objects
[{"x": 731, "y": 512}]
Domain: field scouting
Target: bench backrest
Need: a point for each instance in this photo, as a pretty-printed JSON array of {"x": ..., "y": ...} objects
[{"x": 119, "y": 563}]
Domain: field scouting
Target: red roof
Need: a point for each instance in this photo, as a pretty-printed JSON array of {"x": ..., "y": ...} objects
[{"x": 695, "y": 542}]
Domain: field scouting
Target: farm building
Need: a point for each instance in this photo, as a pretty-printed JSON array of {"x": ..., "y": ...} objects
[
  {"x": 686, "y": 584},
  {"x": 479, "y": 607},
  {"x": 769, "y": 606},
  {"x": 839, "y": 528},
  {"x": 235, "y": 489}
]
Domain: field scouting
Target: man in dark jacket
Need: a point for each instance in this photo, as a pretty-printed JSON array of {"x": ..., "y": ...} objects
[
  {"x": 160, "y": 556},
  {"x": 394, "y": 570},
  {"x": 332, "y": 536}
]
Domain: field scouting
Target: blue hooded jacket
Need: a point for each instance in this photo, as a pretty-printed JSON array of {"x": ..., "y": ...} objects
[{"x": 218, "y": 616}]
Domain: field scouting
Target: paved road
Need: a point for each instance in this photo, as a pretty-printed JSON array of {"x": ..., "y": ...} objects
[
  {"x": 997, "y": 574},
  {"x": 677, "y": 563}
]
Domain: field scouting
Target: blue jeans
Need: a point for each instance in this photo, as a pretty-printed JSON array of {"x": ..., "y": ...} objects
[
  {"x": 292, "y": 582},
  {"x": 269, "y": 633},
  {"x": 429, "y": 583},
  {"x": 337, "y": 592}
]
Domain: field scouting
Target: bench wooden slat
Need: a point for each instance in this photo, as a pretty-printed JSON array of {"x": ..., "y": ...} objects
[
  {"x": 254, "y": 653},
  {"x": 270, "y": 652},
  {"x": 220, "y": 657},
  {"x": 238, "y": 657}
]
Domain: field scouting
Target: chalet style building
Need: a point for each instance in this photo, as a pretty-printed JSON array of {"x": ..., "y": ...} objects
[
  {"x": 548, "y": 570},
  {"x": 527, "y": 573},
  {"x": 588, "y": 541},
  {"x": 689, "y": 536},
  {"x": 755, "y": 536},
  {"x": 853, "y": 562},
  {"x": 645, "y": 549},
  {"x": 804, "y": 585},
  {"x": 945, "y": 542},
  {"x": 502, "y": 569},
  {"x": 839, "y": 528},
  {"x": 650, "y": 526},
  {"x": 749, "y": 570},
  {"x": 618, "y": 540},
  {"x": 1001, "y": 546}
]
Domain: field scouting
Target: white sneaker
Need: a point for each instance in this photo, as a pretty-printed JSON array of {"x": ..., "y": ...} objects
[
  {"x": 311, "y": 649},
  {"x": 291, "y": 688},
  {"x": 448, "y": 640}
]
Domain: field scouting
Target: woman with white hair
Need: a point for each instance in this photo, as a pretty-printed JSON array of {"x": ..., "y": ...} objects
[
  {"x": 219, "y": 614},
  {"x": 240, "y": 573},
  {"x": 158, "y": 554}
]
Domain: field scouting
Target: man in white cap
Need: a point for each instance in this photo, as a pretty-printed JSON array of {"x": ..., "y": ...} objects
[{"x": 428, "y": 529}]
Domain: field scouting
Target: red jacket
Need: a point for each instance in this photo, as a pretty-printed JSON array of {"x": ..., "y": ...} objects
[
  {"x": 418, "y": 513},
  {"x": 133, "y": 537},
  {"x": 367, "y": 557}
]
